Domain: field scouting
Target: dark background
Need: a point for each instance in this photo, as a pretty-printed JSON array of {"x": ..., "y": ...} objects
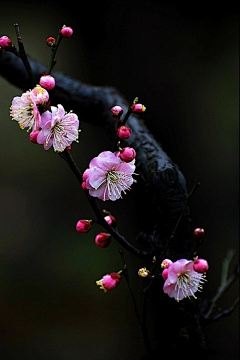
[{"x": 181, "y": 61}]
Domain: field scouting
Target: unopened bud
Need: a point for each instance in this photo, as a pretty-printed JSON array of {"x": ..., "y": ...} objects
[
  {"x": 83, "y": 226},
  {"x": 110, "y": 219},
  {"x": 200, "y": 265},
  {"x": 123, "y": 132},
  {"x": 127, "y": 154},
  {"x": 103, "y": 240},
  {"x": 165, "y": 274},
  {"x": 138, "y": 108},
  {"x": 51, "y": 41},
  {"x": 47, "y": 82},
  {"x": 5, "y": 42},
  {"x": 66, "y": 31},
  {"x": 198, "y": 233},
  {"x": 33, "y": 136}
]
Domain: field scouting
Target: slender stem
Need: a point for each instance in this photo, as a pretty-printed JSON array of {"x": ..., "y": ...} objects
[
  {"x": 54, "y": 49},
  {"x": 23, "y": 56},
  {"x": 141, "y": 320}
]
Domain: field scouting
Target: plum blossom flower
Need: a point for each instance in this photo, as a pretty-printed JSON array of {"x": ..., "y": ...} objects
[
  {"x": 109, "y": 281},
  {"x": 182, "y": 280},
  {"x": 24, "y": 110},
  {"x": 59, "y": 129},
  {"x": 108, "y": 176}
]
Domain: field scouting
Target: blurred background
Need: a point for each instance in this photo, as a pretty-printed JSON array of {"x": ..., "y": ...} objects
[{"x": 181, "y": 60}]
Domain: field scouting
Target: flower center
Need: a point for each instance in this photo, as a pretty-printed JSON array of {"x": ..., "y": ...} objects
[
  {"x": 188, "y": 283},
  {"x": 116, "y": 182}
]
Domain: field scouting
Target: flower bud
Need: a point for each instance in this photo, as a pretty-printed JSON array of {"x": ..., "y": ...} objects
[
  {"x": 138, "y": 108},
  {"x": 110, "y": 219},
  {"x": 33, "y": 136},
  {"x": 103, "y": 240},
  {"x": 166, "y": 263},
  {"x": 117, "y": 110},
  {"x": 123, "y": 132},
  {"x": 47, "y": 82},
  {"x": 109, "y": 281},
  {"x": 69, "y": 148},
  {"x": 5, "y": 42},
  {"x": 83, "y": 226},
  {"x": 51, "y": 41},
  {"x": 143, "y": 272},
  {"x": 127, "y": 154},
  {"x": 165, "y": 274},
  {"x": 66, "y": 31},
  {"x": 198, "y": 233},
  {"x": 200, "y": 265}
]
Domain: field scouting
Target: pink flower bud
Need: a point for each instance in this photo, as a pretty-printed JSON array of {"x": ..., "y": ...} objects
[
  {"x": 200, "y": 265},
  {"x": 110, "y": 219},
  {"x": 83, "y": 186},
  {"x": 33, "y": 136},
  {"x": 66, "y": 31},
  {"x": 83, "y": 226},
  {"x": 143, "y": 272},
  {"x": 5, "y": 42},
  {"x": 123, "y": 132},
  {"x": 109, "y": 281},
  {"x": 198, "y": 233},
  {"x": 117, "y": 110},
  {"x": 138, "y": 108},
  {"x": 127, "y": 154},
  {"x": 103, "y": 240},
  {"x": 47, "y": 82},
  {"x": 51, "y": 41},
  {"x": 166, "y": 263},
  {"x": 165, "y": 274}
]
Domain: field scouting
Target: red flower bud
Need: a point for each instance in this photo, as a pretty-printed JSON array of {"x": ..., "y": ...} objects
[
  {"x": 83, "y": 226},
  {"x": 51, "y": 41},
  {"x": 127, "y": 154},
  {"x": 103, "y": 240},
  {"x": 123, "y": 132}
]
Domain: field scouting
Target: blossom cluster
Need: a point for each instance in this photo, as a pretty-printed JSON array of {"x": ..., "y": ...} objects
[{"x": 108, "y": 176}]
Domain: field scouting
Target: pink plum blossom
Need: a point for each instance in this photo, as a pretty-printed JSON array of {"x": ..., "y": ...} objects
[
  {"x": 109, "y": 281},
  {"x": 182, "y": 280},
  {"x": 108, "y": 176},
  {"x": 24, "y": 110},
  {"x": 59, "y": 129}
]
